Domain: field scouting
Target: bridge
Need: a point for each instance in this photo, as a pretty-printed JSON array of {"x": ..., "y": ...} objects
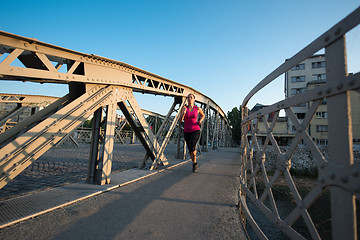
[
  {"x": 99, "y": 86},
  {"x": 96, "y": 85}
]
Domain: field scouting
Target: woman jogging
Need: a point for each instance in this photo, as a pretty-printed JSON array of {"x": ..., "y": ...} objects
[{"x": 192, "y": 125}]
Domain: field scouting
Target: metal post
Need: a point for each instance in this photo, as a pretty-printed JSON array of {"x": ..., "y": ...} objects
[
  {"x": 207, "y": 127},
  {"x": 222, "y": 132},
  {"x": 95, "y": 143},
  {"x": 181, "y": 151},
  {"x": 340, "y": 143},
  {"x": 202, "y": 130},
  {"x": 214, "y": 139},
  {"x": 178, "y": 141},
  {"x": 132, "y": 139},
  {"x": 156, "y": 119},
  {"x": 108, "y": 144}
]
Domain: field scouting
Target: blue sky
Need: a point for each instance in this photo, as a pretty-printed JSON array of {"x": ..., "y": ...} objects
[{"x": 220, "y": 48}]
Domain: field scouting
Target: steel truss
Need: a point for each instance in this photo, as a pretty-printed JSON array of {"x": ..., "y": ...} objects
[
  {"x": 97, "y": 86},
  {"x": 337, "y": 172},
  {"x": 23, "y": 103}
]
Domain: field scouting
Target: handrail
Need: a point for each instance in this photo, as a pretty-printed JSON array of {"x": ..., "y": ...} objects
[{"x": 336, "y": 168}]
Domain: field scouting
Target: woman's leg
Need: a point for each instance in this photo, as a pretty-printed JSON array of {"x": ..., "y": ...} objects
[
  {"x": 193, "y": 156},
  {"x": 194, "y": 140},
  {"x": 191, "y": 140}
]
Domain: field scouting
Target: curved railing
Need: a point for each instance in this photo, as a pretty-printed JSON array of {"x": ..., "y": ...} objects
[{"x": 318, "y": 208}]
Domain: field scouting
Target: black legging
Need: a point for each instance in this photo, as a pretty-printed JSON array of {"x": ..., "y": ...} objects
[{"x": 191, "y": 139}]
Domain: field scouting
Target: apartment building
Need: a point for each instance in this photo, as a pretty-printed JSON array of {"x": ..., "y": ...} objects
[
  {"x": 318, "y": 128},
  {"x": 306, "y": 76},
  {"x": 6, "y": 108},
  {"x": 280, "y": 131},
  {"x": 296, "y": 80}
]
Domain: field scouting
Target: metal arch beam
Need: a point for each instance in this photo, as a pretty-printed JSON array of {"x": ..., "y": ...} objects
[
  {"x": 90, "y": 69},
  {"x": 26, "y": 99},
  {"x": 154, "y": 114}
]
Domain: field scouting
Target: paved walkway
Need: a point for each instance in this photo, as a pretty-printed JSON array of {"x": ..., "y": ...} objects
[
  {"x": 68, "y": 164},
  {"x": 172, "y": 204}
]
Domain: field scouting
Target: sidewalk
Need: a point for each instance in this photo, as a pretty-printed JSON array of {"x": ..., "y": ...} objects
[{"x": 171, "y": 204}]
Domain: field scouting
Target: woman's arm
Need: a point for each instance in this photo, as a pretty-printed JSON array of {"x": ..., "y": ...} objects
[
  {"x": 182, "y": 114},
  {"x": 200, "y": 111}
]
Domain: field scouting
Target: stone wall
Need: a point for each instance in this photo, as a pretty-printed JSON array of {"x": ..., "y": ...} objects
[{"x": 302, "y": 159}]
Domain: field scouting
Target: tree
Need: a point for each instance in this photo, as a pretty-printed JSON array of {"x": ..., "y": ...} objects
[
  {"x": 234, "y": 117},
  {"x": 154, "y": 122},
  {"x": 88, "y": 123}
]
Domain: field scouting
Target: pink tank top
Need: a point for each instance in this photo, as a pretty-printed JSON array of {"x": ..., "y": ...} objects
[{"x": 191, "y": 124}]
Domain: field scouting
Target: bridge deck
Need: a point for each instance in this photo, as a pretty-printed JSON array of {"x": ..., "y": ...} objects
[{"x": 172, "y": 203}]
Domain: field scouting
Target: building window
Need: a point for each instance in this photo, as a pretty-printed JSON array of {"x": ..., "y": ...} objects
[
  {"x": 300, "y": 115},
  {"x": 299, "y": 67},
  {"x": 321, "y": 114},
  {"x": 318, "y": 64},
  {"x": 319, "y": 77},
  {"x": 321, "y": 128},
  {"x": 324, "y": 101},
  {"x": 298, "y": 79},
  {"x": 295, "y": 91},
  {"x": 321, "y": 141}
]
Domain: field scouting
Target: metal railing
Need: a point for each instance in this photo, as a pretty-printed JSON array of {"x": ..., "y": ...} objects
[
  {"x": 84, "y": 135},
  {"x": 261, "y": 191}
]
